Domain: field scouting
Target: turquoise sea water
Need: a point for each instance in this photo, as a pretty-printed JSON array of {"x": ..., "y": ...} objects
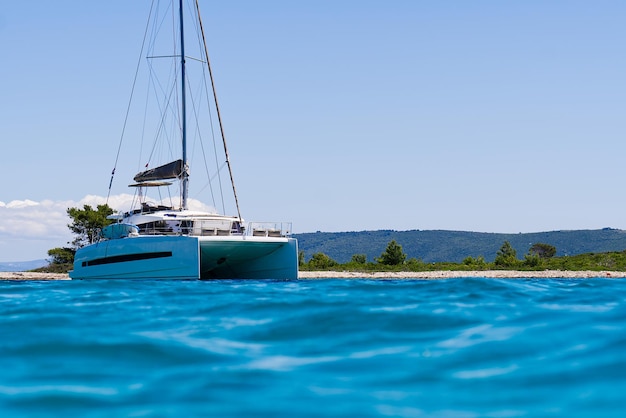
[{"x": 309, "y": 348}]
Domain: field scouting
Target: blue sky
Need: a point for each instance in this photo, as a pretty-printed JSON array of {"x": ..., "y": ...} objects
[{"x": 483, "y": 116}]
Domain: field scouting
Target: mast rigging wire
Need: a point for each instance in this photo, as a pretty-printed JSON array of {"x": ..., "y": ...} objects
[{"x": 119, "y": 147}]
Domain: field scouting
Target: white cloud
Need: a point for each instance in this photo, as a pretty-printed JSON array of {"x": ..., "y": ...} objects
[
  {"x": 26, "y": 218},
  {"x": 29, "y": 219},
  {"x": 19, "y": 204},
  {"x": 28, "y": 229}
]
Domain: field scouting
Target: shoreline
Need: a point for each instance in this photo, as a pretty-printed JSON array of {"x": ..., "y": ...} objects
[
  {"x": 29, "y": 275},
  {"x": 425, "y": 275},
  {"x": 456, "y": 274}
]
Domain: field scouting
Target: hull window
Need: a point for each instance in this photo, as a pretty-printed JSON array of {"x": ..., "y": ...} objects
[{"x": 126, "y": 257}]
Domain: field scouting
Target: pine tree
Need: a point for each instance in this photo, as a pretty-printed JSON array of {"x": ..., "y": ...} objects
[
  {"x": 393, "y": 255},
  {"x": 506, "y": 256}
]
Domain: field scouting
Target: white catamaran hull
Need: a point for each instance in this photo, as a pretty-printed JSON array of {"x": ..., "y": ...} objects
[{"x": 188, "y": 257}]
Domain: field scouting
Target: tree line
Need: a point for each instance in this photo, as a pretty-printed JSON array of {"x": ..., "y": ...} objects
[{"x": 540, "y": 256}]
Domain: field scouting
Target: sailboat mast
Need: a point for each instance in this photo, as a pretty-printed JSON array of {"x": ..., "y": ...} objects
[{"x": 185, "y": 175}]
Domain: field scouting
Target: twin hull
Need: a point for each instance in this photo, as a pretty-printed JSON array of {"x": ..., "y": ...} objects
[{"x": 188, "y": 257}]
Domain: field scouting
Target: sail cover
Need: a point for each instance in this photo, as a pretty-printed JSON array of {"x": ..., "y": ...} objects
[{"x": 171, "y": 170}]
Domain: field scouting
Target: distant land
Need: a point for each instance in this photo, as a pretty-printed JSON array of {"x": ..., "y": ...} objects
[
  {"x": 441, "y": 246},
  {"x": 22, "y": 265}
]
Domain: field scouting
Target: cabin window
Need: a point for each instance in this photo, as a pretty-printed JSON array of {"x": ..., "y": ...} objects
[{"x": 156, "y": 227}]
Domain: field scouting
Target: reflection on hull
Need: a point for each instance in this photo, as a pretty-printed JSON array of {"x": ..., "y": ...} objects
[{"x": 249, "y": 258}]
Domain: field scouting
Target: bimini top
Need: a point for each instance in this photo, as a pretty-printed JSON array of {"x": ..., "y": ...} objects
[{"x": 173, "y": 170}]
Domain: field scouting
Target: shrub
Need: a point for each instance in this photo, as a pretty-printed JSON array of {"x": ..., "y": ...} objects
[
  {"x": 321, "y": 261},
  {"x": 542, "y": 250}
]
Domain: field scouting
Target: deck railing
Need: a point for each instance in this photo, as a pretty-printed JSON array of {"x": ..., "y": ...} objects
[
  {"x": 212, "y": 227},
  {"x": 269, "y": 229}
]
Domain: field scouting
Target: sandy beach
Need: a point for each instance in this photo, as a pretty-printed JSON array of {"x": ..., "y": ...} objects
[
  {"x": 27, "y": 275},
  {"x": 426, "y": 275},
  {"x": 492, "y": 274}
]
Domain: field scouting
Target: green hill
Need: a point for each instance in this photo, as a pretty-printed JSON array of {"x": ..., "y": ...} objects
[{"x": 454, "y": 246}]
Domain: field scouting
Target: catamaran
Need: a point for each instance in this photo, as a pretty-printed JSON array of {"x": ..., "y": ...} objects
[{"x": 159, "y": 240}]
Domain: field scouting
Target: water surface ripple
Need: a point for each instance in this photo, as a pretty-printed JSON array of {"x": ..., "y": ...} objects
[{"x": 369, "y": 348}]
